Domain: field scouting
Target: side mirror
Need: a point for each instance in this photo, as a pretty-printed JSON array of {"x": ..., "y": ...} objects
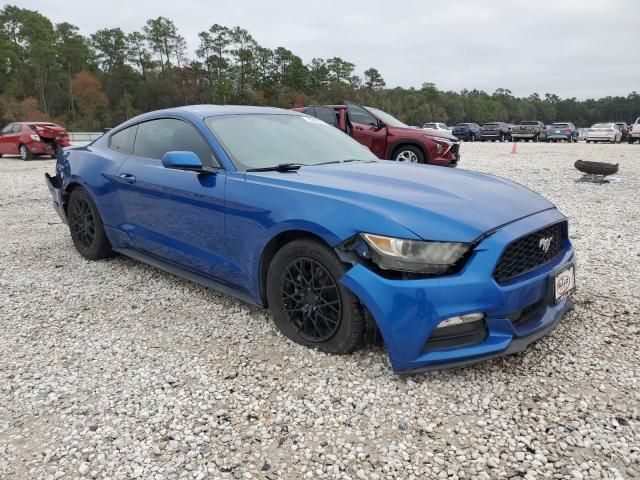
[
  {"x": 379, "y": 124},
  {"x": 182, "y": 161}
]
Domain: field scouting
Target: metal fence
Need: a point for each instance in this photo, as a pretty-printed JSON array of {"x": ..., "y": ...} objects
[{"x": 82, "y": 138}]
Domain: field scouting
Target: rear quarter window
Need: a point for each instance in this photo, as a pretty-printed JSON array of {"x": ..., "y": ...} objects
[
  {"x": 123, "y": 140},
  {"x": 326, "y": 114}
]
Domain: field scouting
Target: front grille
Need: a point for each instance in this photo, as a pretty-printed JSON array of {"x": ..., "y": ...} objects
[{"x": 527, "y": 253}]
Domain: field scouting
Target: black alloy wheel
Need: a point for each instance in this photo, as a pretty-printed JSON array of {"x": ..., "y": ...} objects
[
  {"x": 81, "y": 223},
  {"x": 311, "y": 299},
  {"x": 308, "y": 303},
  {"x": 85, "y": 225}
]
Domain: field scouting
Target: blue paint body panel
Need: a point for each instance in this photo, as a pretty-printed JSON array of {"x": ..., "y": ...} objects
[{"x": 217, "y": 225}]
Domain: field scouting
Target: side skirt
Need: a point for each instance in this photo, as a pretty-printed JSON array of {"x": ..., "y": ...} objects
[{"x": 187, "y": 274}]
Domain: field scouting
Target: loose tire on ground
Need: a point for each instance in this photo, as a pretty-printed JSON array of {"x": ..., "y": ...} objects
[
  {"x": 596, "y": 168},
  {"x": 85, "y": 225},
  {"x": 308, "y": 303}
]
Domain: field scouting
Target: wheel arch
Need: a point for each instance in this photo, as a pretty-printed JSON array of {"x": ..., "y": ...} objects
[
  {"x": 66, "y": 194},
  {"x": 273, "y": 246}
]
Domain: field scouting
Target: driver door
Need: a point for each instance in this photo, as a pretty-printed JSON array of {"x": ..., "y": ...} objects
[
  {"x": 176, "y": 215},
  {"x": 367, "y": 129}
]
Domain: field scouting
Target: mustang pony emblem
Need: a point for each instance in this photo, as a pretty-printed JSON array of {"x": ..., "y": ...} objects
[{"x": 545, "y": 243}]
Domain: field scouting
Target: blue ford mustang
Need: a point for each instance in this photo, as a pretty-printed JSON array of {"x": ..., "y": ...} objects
[{"x": 448, "y": 267}]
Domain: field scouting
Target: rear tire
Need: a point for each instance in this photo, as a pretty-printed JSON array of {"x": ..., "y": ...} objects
[
  {"x": 85, "y": 225},
  {"x": 25, "y": 154},
  {"x": 308, "y": 304}
]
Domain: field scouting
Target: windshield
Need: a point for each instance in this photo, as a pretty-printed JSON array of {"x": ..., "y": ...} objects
[
  {"x": 386, "y": 118},
  {"x": 259, "y": 141},
  {"x": 560, "y": 124},
  {"x": 602, "y": 125},
  {"x": 491, "y": 125}
]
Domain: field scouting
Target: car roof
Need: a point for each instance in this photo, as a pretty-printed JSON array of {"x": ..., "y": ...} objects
[
  {"x": 204, "y": 111},
  {"x": 213, "y": 110}
]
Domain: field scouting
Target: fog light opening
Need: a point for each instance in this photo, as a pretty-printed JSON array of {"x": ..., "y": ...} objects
[{"x": 460, "y": 319}]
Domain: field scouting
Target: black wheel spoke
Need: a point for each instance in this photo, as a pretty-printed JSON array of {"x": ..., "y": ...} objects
[
  {"x": 82, "y": 223},
  {"x": 311, "y": 299}
]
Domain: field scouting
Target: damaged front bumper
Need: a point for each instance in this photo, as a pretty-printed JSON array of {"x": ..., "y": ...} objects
[{"x": 516, "y": 314}]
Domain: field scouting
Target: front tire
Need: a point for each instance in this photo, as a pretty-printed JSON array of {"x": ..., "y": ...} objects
[
  {"x": 308, "y": 304},
  {"x": 408, "y": 154},
  {"x": 85, "y": 225},
  {"x": 25, "y": 154}
]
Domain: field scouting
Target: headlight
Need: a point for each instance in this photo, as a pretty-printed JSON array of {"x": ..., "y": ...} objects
[
  {"x": 35, "y": 137},
  {"x": 414, "y": 255}
]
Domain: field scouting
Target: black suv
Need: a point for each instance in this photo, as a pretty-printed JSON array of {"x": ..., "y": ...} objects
[
  {"x": 495, "y": 131},
  {"x": 466, "y": 131}
]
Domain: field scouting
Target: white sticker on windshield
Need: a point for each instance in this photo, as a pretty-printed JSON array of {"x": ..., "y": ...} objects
[{"x": 315, "y": 120}]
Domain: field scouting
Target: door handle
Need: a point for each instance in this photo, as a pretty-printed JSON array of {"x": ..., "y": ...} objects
[{"x": 128, "y": 178}]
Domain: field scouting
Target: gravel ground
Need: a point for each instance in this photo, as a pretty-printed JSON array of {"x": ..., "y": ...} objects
[{"x": 113, "y": 369}]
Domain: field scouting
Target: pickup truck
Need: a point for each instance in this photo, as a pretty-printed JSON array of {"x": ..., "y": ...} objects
[
  {"x": 386, "y": 136},
  {"x": 634, "y": 131},
  {"x": 529, "y": 130}
]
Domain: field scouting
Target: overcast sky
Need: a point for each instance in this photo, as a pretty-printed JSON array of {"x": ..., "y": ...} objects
[{"x": 587, "y": 48}]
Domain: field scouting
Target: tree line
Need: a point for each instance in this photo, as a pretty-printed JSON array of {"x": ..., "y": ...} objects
[{"x": 52, "y": 72}]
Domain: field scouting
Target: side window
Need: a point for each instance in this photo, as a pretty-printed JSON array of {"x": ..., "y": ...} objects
[
  {"x": 122, "y": 141},
  {"x": 358, "y": 114},
  {"x": 327, "y": 115},
  {"x": 7, "y": 129},
  {"x": 17, "y": 128},
  {"x": 157, "y": 137}
]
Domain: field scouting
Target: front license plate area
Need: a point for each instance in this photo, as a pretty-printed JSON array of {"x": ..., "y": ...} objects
[{"x": 564, "y": 283}]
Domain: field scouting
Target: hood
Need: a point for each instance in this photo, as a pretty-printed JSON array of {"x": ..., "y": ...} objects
[
  {"x": 435, "y": 203},
  {"x": 443, "y": 134},
  {"x": 421, "y": 133}
]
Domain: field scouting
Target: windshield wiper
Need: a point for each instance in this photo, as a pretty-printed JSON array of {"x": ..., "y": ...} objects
[
  {"x": 344, "y": 161},
  {"x": 281, "y": 167}
]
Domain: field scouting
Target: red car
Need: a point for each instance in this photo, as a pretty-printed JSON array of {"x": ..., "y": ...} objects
[
  {"x": 386, "y": 136},
  {"x": 30, "y": 139}
]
